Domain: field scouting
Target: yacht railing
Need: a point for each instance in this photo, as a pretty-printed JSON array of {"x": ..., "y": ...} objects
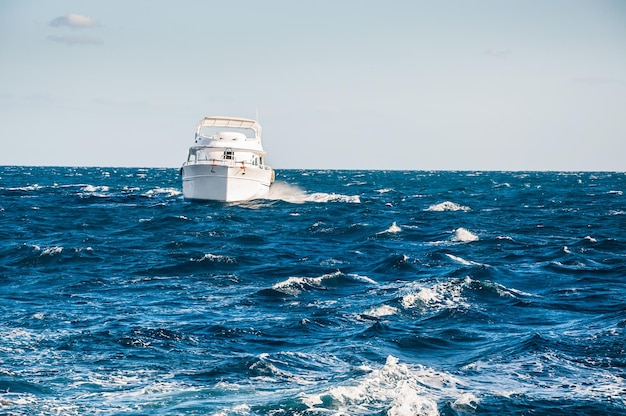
[{"x": 226, "y": 162}]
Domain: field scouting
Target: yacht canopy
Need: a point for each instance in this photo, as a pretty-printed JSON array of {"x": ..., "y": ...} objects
[{"x": 230, "y": 122}]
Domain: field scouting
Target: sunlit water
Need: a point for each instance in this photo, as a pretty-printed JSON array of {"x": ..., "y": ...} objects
[{"x": 345, "y": 293}]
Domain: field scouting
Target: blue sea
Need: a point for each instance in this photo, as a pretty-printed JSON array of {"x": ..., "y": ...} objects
[{"x": 344, "y": 293}]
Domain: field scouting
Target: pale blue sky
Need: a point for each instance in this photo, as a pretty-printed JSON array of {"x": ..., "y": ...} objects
[{"x": 451, "y": 85}]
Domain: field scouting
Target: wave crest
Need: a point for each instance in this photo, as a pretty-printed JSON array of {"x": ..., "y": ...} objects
[
  {"x": 402, "y": 389},
  {"x": 444, "y": 295},
  {"x": 462, "y": 235},
  {"x": 393, "y": 229},
  {"x": 448, "y": 206},
  {"x": 296, "y": 285},
  {"x": 215, "y": 258}
]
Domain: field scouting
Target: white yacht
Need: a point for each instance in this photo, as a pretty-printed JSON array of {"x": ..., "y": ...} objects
[{"x": 226, "y": 162}]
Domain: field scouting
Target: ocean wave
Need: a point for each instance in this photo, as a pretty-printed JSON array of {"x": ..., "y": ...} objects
[
  {"x": 487, "y": 291},
  {"x": 455, "y": 294},
  {"x": 35, "y": 255},
  {"x": 395, "y": 389},
  {"x": 393, "y": 229},
  {"x": 168, "y": 192},
  {"x": 436, "y": 296},
  {"x": 214, "y": 258},
  {"x": 315, "y": 307},
  {"x": 49, "y": 251},
  {"x": 333, "y": 197},
  {"x": 463, "y": 261},
  {"x": 296, "y": 285},
  {"x": 393, "y": 262},
  {"x": 95, "y": 189},
  {"x": 447, "y": 206},
  {"x": 142, "y": 396},
  {"x": 382, "y": 310},
  {"x": 462, "y": 235},
  {"x": 28, "y": 188},
  {"x": 532, "y": 369}
]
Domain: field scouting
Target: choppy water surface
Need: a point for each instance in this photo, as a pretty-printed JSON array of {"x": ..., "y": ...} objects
[{"x": 347, "y": 292}]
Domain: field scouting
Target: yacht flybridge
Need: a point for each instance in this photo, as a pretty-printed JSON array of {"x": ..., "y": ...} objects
[{"x": 226, "y": 162}]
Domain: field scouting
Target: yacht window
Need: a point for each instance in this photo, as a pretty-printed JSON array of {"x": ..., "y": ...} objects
[{"x": 229, "y": 154}]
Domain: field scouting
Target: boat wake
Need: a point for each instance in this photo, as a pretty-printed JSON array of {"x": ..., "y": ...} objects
[{"x": 283, "y": 191}]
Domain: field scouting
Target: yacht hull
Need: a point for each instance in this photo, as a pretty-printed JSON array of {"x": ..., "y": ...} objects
[{"x": 207, "y": 182}]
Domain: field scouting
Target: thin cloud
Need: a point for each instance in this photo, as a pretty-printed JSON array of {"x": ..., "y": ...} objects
[
  {"x": 74, "y": 40},
  {"x": 74, "y": 21},
  {"x": 498, "y": 53}
]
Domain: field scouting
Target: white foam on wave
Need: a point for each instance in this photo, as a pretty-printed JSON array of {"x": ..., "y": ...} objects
[
  {"x": 168, "y": 192},
  {"x": 462, "y": 235},
  {"x": 393, "y": 229},
  {"x": 53, "y": 250},
  {"x": 128, "y": 395},
  {"x": 16, "y": 340},
  {"x": 18, "y": 399},
  {"x": 296, "y": 285},
  {"x": 448, "y": 206},
  {"x": 238, "y": 409},
  {"x": 463, "y": 261},
  {"x": 92, "y": 188},
  {"x": 333, "y": 197},
  {"x": 533, "y": 376},
  {"x": 449, "y": 294},
  {"x": 99, "y": 191},
  {"x": 397, "y": 389},
  {"x": 27, "y": 342},
  {"x": 50, "y": 251},
  {"x": 28, "y": 188},
  {"x": 438, "y": 296},
  {"x": 47, "y": 251},
  {"x": 383, "y": 310},
  {"x": 360, "y": 278},
  {"x": 215, "y": 258},
  {"x": 283, "y": 191},
  {"x": 34, "y": 404},
  {"x": 118, "y": 379}
]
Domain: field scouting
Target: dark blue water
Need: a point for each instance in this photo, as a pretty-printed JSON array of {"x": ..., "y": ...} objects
[{"x": 347, "y": 293}]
